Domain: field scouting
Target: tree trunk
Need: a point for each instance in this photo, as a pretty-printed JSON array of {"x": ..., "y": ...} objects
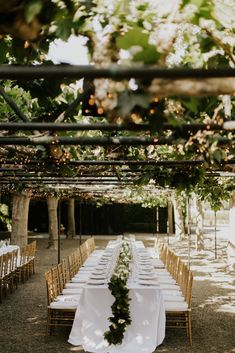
[
  {"x": 192, "y": 87},
  {"x": 179, "y": 221},
  {"x": 71, "y": 232},
  {"x": 199, "y": 226},
  {"x": 20, "y": 211},
  {"x": 231, "y": 235},
  {"x": 52, "y": 204},
  {"x": 170, "y": 217}
]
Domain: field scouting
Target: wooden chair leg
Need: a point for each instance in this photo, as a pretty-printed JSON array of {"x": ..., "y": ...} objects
[
  {"x": 1, "y": 293},
  {"x": 190, "y": 328}
]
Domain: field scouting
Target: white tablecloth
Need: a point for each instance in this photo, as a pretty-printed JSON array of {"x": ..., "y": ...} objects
[{"x": 143, "y": 335}]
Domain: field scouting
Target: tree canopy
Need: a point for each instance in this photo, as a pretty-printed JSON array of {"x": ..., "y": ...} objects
[{"x": 177, "y": 124}]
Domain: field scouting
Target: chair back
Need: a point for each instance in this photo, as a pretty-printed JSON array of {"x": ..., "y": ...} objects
[
  {"x": 51, "y": 294},
  {"x": 55, "y": 280},
  {"x": 60, "y": 272},
  {"x": 84, "y": 252},
  {"x": 189, "y": 289},
  {"x": 72, "y": 266}
]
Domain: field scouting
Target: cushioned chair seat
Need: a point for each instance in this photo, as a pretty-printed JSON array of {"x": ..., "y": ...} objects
[
  {"x": 68, "y": 298},
  {"x": 169, "y": 286},
  {"x": 176, "y": 306},
  {"x": 63, "y": 305},
  {"x": 175, "y": 298}
]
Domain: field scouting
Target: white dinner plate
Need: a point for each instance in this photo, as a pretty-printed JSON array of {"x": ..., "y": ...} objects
[
  {"x": 148, "y": 283},
  {"x": 96, "y": 281}
]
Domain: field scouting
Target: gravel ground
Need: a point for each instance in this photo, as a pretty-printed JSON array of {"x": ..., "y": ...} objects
[{"x": 23, "y": 313}]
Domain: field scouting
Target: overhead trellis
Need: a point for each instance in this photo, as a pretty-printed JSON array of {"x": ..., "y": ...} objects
[{"x": 217, "y": 133}]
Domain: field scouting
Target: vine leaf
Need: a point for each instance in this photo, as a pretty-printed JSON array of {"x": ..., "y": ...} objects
[
  {"x": 148, "y": 55},
  {"x": 3, "y": 51},
  {"x": 135, "y": 37},
  {"x": 66, "y": 170},
  {"x": 32, "y": 9}
]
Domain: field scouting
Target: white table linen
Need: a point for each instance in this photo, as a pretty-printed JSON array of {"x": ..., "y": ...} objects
[
  {"x": 147, "y": 311},
  {"x": 147, "y": 329}
]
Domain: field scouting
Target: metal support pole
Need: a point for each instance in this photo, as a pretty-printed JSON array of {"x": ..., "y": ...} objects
[
  {"x": 157, "y": 220},
  {"x": 215, "y": 235},
  {"x": 189, "y": 234},
  {"x": 80, "y": 222},
  {"x": 168, "y": 232},
  {"x": 92, "y": 219},
  {"x": 154, "y": 222},
  {"x": 59, "y": 224}
]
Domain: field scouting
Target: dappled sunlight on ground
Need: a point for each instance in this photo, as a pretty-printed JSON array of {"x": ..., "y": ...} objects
[
  {"x": 76, "y": 349},
  {"x": 228, "y": 301}
]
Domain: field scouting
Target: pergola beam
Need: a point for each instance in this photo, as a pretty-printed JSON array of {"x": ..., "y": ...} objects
[
  {"x": 165, "y": 81},
  {"x": 44, "y": 126},
  {"x": 29, "y": 72},
  {"x": 124, "y": 162},
  {"x": 91, "y": 141}
]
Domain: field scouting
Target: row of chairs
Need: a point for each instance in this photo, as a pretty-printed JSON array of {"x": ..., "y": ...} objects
[
  {"x": 177, "y": 293},
  {"x": 16, "y": 266},
  {"x": 62, "y": 293}
]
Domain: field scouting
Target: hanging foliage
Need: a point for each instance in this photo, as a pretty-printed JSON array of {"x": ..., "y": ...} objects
[{"x": 167, "y": 34}]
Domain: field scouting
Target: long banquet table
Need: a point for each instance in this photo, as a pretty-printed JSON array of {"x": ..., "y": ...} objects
[{"x": 147, "y": 329}]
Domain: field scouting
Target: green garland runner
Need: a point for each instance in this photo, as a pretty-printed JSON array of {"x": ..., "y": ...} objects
[{"x": 120, "y": 308}]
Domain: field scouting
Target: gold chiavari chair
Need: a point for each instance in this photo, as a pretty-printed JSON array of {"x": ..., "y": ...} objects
[
  {"x": 175, "y": 268},
  {"x": 31, "y": 257},
  {"x": 163, "y": 253},
  {"x": 90, "y": 242},
  {"x": 178, "y": 314},
  {"x": 7, "y": 279},
  {"x": 70, "y": 287},
  {"x": 66, "y": 273},
  {"x": 60, "y": 274},
  {"x": 58, "y": 278},
  {"x": 14, "y": 264},
  {"x": 22, "y": 268},
  {"x": 71, "y": 266},
  {"x": 59, "y": 313},
  {"x": 77, "y": 258},
  {"x": 182, "y": 278},
  {"x": 84, "y": 252}
]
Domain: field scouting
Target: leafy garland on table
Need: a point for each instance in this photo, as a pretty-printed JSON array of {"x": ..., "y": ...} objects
[{"x": 120, "y": 308}]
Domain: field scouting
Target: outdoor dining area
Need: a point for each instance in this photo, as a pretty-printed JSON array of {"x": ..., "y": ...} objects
[
  {"x": 16, "y": 266},
  {"x": 159, "y": 286},
  {"x": 117, "y": 167}
]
